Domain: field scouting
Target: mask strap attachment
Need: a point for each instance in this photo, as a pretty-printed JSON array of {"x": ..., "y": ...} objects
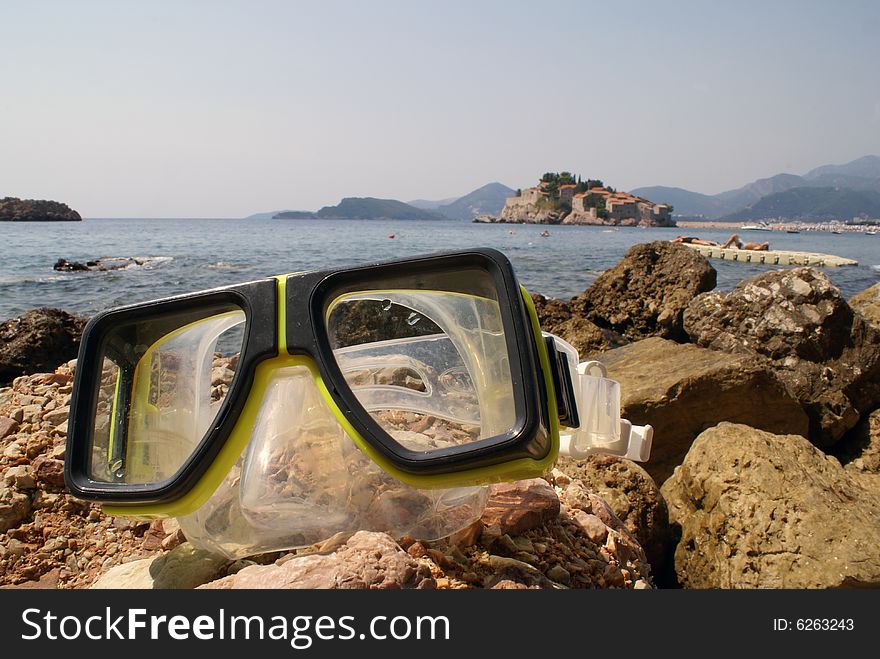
[{"x": 590, "y": 403}]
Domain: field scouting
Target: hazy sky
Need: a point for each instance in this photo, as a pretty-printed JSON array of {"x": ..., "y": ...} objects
[{"x": 222, "y": 109}]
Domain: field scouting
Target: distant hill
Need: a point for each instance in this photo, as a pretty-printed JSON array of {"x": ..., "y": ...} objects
[
  {"x": 867, "y": 166},
  {"x": 365, "y": 208},
  {"x": 487, "y": 200},
  {"x": 747, "y": 202},
  {"x": 428, "y": 205},
  {"x": 813, "y": 204},
  {"x": 733, "y": 200},
  {"x": 683, "y": 201},
  {"x": 267, "y": 216},
  {"x": 293, "y": 215}
]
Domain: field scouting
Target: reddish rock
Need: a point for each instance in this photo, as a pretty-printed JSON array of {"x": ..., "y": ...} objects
[
  {"x": 522, "y": 505},
  {"x": 7, "y": 427},
  {"x": 594, "y": 528},
  {"x": 49, "y": 472},
  {"x": 468, "y": 536}
]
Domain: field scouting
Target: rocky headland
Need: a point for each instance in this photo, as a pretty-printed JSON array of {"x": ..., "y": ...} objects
[
  {"x": 765, "y": 470},
  {"x": 562, "y": 198},
  {"x": 13, "y": 209}
]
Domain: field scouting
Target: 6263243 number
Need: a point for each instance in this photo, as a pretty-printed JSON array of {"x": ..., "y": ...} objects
[{"x": 824, "y": 624}]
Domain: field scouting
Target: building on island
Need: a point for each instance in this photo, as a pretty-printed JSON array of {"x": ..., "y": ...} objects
[{"x": 597, "y": 205}]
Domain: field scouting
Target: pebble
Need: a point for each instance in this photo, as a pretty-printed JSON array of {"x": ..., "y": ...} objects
[{"x": 559, "y": 574}]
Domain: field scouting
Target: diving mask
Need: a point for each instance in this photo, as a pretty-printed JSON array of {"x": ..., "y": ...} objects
[{"x": 273, "y": 414}]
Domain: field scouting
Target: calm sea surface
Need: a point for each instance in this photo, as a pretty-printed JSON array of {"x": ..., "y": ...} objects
[{"x": 191, "y": 255}]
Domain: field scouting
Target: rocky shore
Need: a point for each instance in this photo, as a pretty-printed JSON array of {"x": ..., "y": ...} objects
[
  {"x": 765, "y": 470},
  {"x": 13, "y": 209}
]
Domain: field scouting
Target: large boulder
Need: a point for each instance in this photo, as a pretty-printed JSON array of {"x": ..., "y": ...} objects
[
  {"x": 867, "y": 303},
  {"x": 795, "y": 319},
  {"x": 647, "y": 292},
  {"x": 759, "y": 510},
  {"x": 681, "y": 390},
  {"x": 38, "y": 341},
  {"x": 556, "y": 317},
  {"x": 633, "y": 496}
]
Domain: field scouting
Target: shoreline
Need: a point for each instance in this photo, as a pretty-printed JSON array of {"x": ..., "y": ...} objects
[{"x": 805, "y": 227}]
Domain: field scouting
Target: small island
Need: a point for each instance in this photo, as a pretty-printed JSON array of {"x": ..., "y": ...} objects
[
  {"x": 13, "y": 209},
  {"x": 562, "y": 198},
  {"x": 364, "y": 208}
]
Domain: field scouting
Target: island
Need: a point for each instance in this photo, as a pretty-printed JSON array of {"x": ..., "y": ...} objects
[
  {"x": 364, "y": 208},
  {"x": 562, "y": 198},
  {"x": 13, "y": 209}
]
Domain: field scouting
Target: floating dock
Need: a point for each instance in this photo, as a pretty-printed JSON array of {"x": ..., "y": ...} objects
[{"x": 772, "y": 257}]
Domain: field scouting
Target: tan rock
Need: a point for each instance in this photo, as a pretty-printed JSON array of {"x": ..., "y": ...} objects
[
  {"x": 366, "y": 560},
  {"x": 184, "y": 567},
  {"x": 682, "y": 390},
  {"x": 867, "y": 303},
  {"x": 759, "y": 510},
  {"x": 14, "y": 507},
  {"x": 633, "y": 496}
]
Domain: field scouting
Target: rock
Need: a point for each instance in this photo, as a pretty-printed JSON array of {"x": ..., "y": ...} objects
[
  {"x": 521, "y": 505},
  {"x": 20, "y": 477},
  {"x": 57, "y": 417},
  {"x": 13, "y": 209},
  {"x": 827, "y": 356},
  {"x": 647, "y": 292},
  {"x": 592, "y": 526},
  {"x": 509, "y": 571},
  {"x": 867, "y": 303},
  {"x": 184, "y": 567},
  {"x": 8, "y": 426},
  {"x": 682, "y": 390},
  {"x": 633, "y": 496},
  {"x": 559, "y": 574},
  {"x": 14, "y": 507},
  {"x": 557, "y": 318},
  {"x": 467, "y": 536},
  {"x": 366, "y": 560},
  {"x": 38, "y": 341},
  {"x": 49, "y": 473},
  {"x": 759, "y": 510},
  {"x": 63, "y": 265}
]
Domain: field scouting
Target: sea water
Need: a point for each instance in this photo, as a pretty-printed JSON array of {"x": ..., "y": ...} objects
[{"x": 187, "y": 255}]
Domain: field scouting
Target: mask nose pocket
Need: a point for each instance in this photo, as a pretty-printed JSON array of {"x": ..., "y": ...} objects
[
  {"x": 302, "y": 479},
  {"x": 295, "y": 468}
]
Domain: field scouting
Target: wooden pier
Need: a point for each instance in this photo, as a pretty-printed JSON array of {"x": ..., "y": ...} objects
[{"x": 772, "y": 257}]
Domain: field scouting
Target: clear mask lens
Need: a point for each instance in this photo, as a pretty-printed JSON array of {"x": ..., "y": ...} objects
[
  {"x": 162, "y": 384},
  {"x": 431, "y": 367}
]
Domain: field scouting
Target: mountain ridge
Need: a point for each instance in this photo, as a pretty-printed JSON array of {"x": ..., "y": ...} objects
[
  {"x": 488, "y": 199},
  {"x": 860, "y": 175}
]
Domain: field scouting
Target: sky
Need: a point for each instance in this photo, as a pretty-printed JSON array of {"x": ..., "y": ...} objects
[{"x": 223, "y": 109}]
